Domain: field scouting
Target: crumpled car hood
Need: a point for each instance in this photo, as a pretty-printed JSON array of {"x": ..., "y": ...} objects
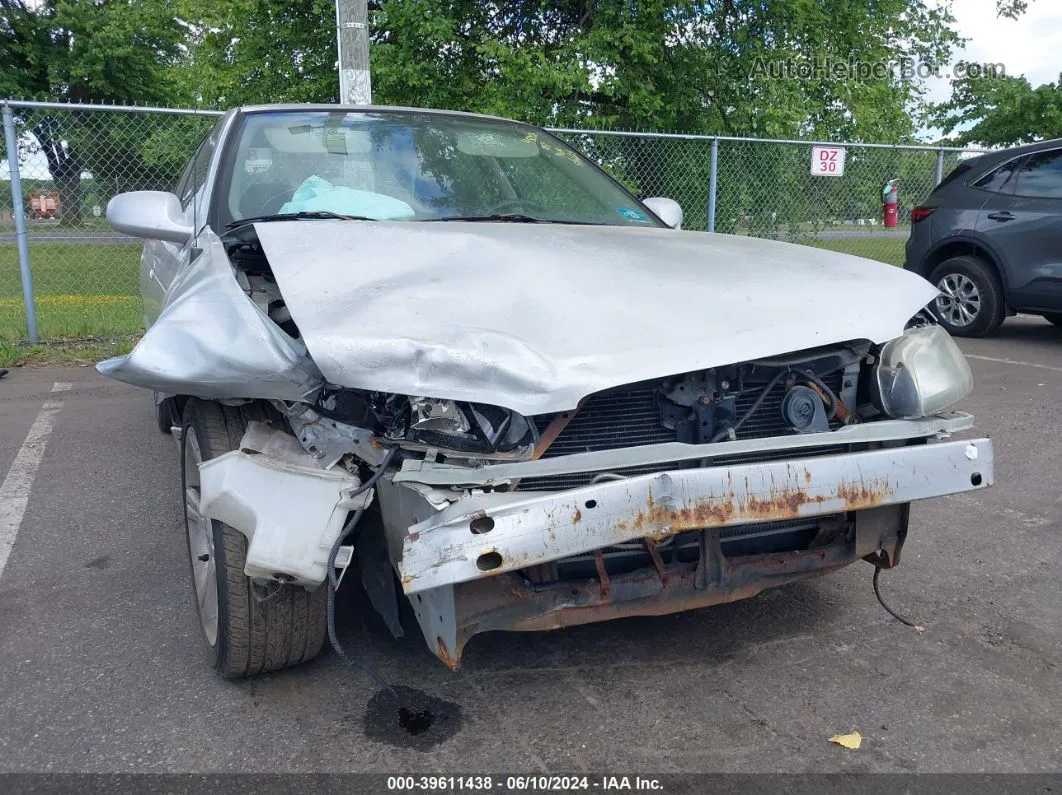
[
  {"x": 211, "y": 341},
  {"x": 534, "y": 317}
]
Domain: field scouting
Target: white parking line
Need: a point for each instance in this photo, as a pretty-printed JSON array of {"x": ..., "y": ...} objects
[
  {"x": 15, "y": 490},
  {"x": 1015, "y": 361}
]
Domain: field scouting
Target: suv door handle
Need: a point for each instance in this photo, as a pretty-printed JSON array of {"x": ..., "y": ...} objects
[{"x": 1001, "y": 216}]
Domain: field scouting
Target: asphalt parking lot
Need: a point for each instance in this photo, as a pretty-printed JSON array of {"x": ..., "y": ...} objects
[{"x": 101, "y": 668}]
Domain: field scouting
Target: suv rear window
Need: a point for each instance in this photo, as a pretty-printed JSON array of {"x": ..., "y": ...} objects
[
  {"x": 958, "y": 171},
  {"x": 997, "y": 179},
  {"x": 1040, "y": 176}
]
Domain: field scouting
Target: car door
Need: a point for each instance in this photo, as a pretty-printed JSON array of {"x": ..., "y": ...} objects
[
  {"x": 162, "y": 261},
  {"x": 1023, "y": 222}
]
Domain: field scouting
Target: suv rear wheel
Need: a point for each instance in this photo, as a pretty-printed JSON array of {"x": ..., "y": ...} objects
[
  {"x": 247, "y": 628},
  {"x": 971, "y": 297}
]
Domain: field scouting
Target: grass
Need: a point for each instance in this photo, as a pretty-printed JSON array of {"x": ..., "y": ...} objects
[
  {"x": 83, "y": 291},
  {"x": 884, "y": 249},
  {"x": 84, "y": 353}
]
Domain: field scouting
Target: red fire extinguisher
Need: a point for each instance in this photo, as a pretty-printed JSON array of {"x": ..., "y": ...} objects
[{"x": 890, "y": 203}]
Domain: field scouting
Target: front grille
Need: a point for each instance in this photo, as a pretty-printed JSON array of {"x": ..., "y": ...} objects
[{"x": 629, "y": 416}]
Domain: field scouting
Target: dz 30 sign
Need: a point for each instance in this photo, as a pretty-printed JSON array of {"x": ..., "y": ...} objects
[{"x": 827, "y": 161}]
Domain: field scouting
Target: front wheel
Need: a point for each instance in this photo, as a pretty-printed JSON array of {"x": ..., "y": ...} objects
[
  {"x": 247, "y": 629},
  {"x": 167, "y": 415},
  {"x": 970, "y": 303}
]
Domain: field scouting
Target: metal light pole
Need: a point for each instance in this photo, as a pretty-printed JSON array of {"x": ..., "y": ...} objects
[{"x": 352, "y": 39}]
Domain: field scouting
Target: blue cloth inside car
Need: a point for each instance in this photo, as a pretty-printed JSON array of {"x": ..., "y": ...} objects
[{"x": 317, "y": 193}]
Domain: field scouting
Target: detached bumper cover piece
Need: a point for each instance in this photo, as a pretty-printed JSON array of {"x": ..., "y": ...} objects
[
  {"x": 290, "y": 510},
  {"x": 456, "y": 546}
]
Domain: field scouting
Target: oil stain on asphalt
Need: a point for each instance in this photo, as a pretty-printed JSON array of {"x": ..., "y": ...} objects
[{"x": 405, "y": 717}]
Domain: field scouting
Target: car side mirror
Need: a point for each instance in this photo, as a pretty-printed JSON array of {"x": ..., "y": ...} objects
[
  {"x": 667, "y": 210},
  {"x": 151, "y": 214}
]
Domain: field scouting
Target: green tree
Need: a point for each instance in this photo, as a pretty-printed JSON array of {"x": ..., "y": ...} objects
[
  {"x": 86, "y": 51},
  {"x": 997, "y": 110},
  {"x": 661, "y": 64}
]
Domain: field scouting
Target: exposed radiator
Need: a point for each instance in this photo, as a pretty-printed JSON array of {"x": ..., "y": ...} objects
[{"x": 629, "y": 416}]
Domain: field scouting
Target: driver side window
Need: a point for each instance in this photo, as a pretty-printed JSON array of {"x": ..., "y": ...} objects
[
  {"x": 184, "y": 184},
  {"x": 190, "y": 187}
]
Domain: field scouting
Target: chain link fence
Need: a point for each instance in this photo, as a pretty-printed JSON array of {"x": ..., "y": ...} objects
[
  {"x": 766, "y": 188},
  {"x": 72, "y": 159}
]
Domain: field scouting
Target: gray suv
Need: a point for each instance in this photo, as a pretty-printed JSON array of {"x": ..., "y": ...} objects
[{"x": 990, "y": 238}]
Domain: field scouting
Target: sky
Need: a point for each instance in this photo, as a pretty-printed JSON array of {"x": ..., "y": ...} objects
[{"x": 1030, "y": 45}]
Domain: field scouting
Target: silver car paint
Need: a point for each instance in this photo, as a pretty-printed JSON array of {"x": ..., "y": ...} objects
[
  {"x": 210, "y": 340},
  {"x": 535, "y": 317},
  {"x": 161, "y": 261}
]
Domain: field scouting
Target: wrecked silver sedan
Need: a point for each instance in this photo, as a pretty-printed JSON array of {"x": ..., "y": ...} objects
[{"x": 447, "y": 353}]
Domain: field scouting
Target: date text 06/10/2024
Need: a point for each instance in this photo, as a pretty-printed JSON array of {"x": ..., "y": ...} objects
[{"x": 532, "y": 783}]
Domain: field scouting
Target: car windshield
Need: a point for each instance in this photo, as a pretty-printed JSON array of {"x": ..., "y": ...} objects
[{"x": 409, "y": 166}]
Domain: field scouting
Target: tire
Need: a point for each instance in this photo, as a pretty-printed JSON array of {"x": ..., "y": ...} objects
[
  {"x": 1052, "y": 317},
  {"x": 970, "y": 292},
  {"x": 253, "y": 630},
  {"x": 167, "y": 415}
]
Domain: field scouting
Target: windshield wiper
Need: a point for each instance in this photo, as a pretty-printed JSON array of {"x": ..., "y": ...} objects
[
  {"x": 510, "y": 218},
  {"x": 310, "y": 215}
]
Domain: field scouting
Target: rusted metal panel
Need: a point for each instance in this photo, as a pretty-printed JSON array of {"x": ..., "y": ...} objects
[
  {"x": 510, "y": 602},
  {"x": 785, "y": 502},
  {"x": 658, "y": 561},
  {"x": 531, "y": 530},
  {"x": 604, "y": 585}
]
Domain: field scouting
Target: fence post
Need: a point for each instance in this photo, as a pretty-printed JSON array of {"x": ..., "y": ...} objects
[
  {"x": 20, "y": 224},
  {"x": 713, "y": 173},
  {"x": 940, "y": 167}
]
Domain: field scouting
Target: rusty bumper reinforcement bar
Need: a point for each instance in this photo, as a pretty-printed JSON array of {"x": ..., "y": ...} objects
[{"x": 531, "y": 530}]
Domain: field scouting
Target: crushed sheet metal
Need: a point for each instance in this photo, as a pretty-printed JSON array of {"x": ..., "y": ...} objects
[
  {"x": 210, "y": 340},
  {"x": 277, "y": 446},
  {"x": 290, "y": 510},
  {"x": 532, "y": 530},
  {"x": 512, "y": 602},
  {"x": 428, "y": 311},
  {"x": 435, "y": 474}
]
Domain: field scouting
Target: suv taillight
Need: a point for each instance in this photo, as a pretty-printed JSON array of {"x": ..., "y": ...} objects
[{"x": 921, "y": 213}]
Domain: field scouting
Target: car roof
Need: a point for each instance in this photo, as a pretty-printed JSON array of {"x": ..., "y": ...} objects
[
  {"x": 1003, "y": 155},
  {"x": 323, "y": 107},
  {"x": 1053, "y": 143},
  {"x": 975, "y": 168}
]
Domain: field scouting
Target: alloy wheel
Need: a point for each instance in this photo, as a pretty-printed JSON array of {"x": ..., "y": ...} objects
[
  {"x": 200, "y": 543},
  {"x": 960, "y": 301}
]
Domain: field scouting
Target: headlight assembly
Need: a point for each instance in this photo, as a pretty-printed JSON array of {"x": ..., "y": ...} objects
[
  {"x": 921, "y": 373},
  {"x": 473, "y": 430}
]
